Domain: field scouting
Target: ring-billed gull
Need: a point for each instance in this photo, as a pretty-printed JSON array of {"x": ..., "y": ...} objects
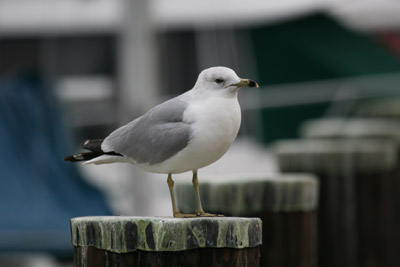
[{"x": 182, "y": 134}]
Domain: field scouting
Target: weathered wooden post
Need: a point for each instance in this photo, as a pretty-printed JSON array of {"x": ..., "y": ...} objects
[
  {"x": 159, "y": 241},
  {"x": 353, "y": 209},
  {"x": 285, "y": 203},
  {"x": 382, "y": 195}
]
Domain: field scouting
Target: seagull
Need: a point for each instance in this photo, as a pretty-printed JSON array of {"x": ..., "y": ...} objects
[{"x": 183, "y": 134}]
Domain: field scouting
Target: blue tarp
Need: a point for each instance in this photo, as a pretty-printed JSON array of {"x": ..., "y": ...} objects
[{"x": 39, "y": 192}]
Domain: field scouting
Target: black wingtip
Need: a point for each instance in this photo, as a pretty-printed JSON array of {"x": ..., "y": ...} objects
[
  {"x": 81, "y": 157},
  {"x": 84, "y": 143},
  {"x": 93, "y": 145},
  {"x": 70, "y": 158}
]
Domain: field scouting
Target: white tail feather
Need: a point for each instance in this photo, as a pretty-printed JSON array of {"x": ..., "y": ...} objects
[{"x": 106, "y": 159}]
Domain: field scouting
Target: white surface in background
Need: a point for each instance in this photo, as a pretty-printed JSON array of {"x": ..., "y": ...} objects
[
  {"x": 358, "y": 14},
  {"x": 85, "y": 88},
  {"x": 132, "y": 191},
  {"x": 59, "y": 16},
  {"x": 82, "y": 16},
  {"x": 368, "y": 15},
  {"x": 184, "y": 13}
]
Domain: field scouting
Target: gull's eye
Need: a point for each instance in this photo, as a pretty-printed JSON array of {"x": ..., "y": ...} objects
[{"x": 219, "y": 81}]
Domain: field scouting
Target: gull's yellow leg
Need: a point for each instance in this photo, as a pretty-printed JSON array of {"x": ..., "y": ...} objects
[
  {"x": 199, "y": 209},
  {"x": 175, "y": 210}
]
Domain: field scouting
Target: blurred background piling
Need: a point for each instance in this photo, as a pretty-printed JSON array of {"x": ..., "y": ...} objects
[
  {"x": 356, "y": 216},
  {"x": 77, "y": 69},
  {"x": 286, "y": 204}
]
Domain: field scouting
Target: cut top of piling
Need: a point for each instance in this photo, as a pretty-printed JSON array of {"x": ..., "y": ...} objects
[
  {"x": 122, "y": 234},
  {"x": 336, "y": 155},
  {"x": 249, "y": 194},
  {"x": 351, "y": 128}
]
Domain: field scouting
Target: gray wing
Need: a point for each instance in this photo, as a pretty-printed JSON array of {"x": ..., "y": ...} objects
[{"x": 154, "y": 137}]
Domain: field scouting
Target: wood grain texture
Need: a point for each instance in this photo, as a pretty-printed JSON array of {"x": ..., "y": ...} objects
[
  {"x": 156, "y": 241},
  {"x": 123, "y": 234},
  {"x": 207, "y": 257}
]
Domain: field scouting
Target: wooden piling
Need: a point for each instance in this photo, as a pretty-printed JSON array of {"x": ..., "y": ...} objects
[
  {"x": 158, "y": 241},
  {"x": 354, "y": 210},
  {"x": 385, "y": 252},
  {"x": 285, "y": 203}
]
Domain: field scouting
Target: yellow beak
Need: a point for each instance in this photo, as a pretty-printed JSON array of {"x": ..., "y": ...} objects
[{"x": 246, "y": 83}]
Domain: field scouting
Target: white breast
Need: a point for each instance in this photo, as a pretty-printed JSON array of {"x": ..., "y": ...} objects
[{"x": 215, "y": 124}]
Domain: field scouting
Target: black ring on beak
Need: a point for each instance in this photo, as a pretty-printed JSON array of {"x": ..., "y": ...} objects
[{"x": 252, "y": 83}]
